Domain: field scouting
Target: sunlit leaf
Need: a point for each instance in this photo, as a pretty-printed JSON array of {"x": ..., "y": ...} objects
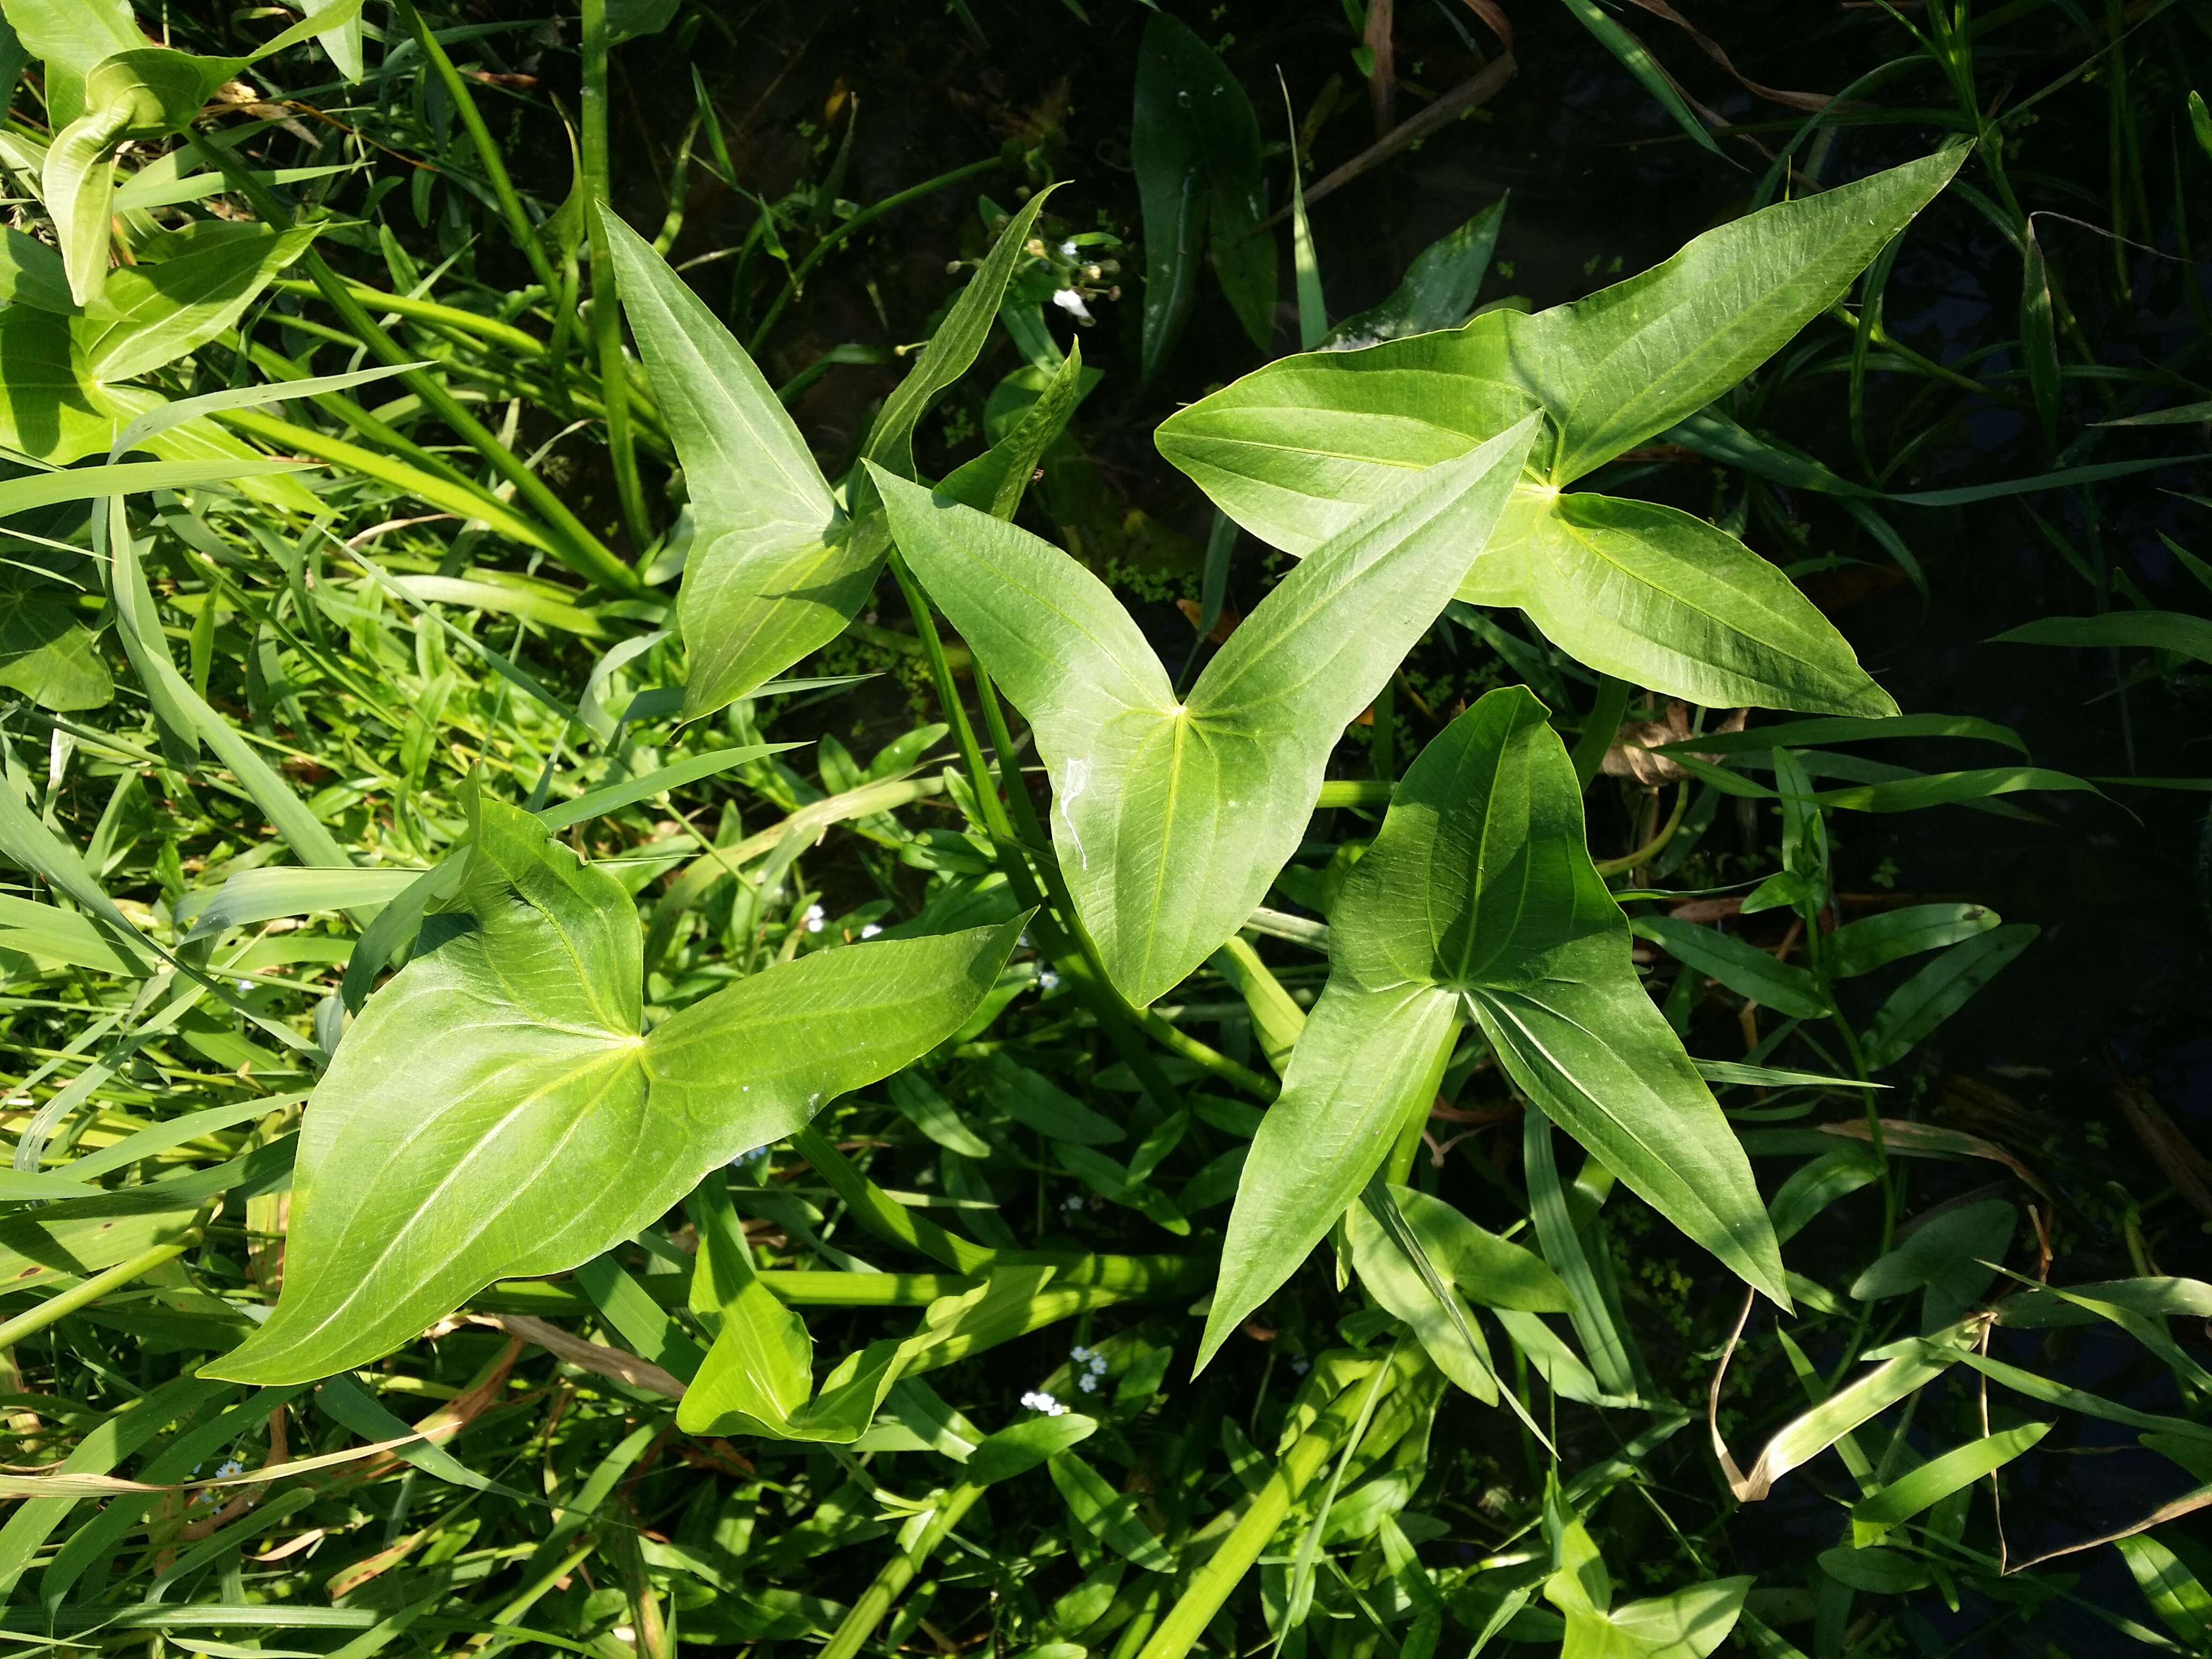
[
  {"x": 1479, "y": 890},
  {"x": 516, "y": 1119},
  {"x": 1170, "y": 817}
]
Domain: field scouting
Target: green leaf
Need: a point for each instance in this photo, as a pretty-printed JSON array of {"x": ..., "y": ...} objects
[
  {"x": 1656, "y": 597},
  {"x": 1939, "y": 990},
  {"x": 1875, "y": 941},
  {"x": 1937, "y": 1479},
  {"x": 67, "y": 37},
  {"x": 497, "y": 1112},
  {"x": 147, "y": 91},
  {"x": 1109, "y": 1516},
  {"x": 2155, "y": 630},
  {"x": 1742, "y": 967},
  {"x": 45, "y": 652},
  {"x": 1687, "y": 1624},
  {"x": 1170, "y": 818},
  {"x": 1290, "y": 449},
  {"x": 1439, "y": 289},
  {"x": 1636, "y": 58},
  {"x": 1632, "y": 360},
  {"x": 1446, "y": 1329},
  {"x": 775, "y": 571},
  {"x": 1478, "y": 888},
  {"x": 1490, "y": 1270},
  {"x": 31, "y": 274},
  {"x": 1016, "y": 1450},
  {"x": 1194, "y": 144},
  {"x": 1944, "y": 1257},
  {"x": 188, "y": 287},
  {"x": 2175, "y": 1594},
  {"x": 950, "y": 352}
]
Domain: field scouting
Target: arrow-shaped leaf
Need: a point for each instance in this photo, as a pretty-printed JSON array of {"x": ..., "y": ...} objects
[
  {"x": 1170, "y": 817},
  {"x": 499, "y": 1111},
  {"x": 1479, "y": 890}
]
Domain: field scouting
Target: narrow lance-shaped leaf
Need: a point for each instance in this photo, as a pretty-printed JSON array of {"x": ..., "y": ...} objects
[
  {"x": 498, "y": 1110},
  {"x": 777, "y": 568},
  {"x": 1479, "y": 890},
  {"x": 1170, "y": 817}
]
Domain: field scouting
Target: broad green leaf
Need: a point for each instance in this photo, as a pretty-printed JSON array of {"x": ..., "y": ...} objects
[
  {"x": 188, "y": 287},
  {"x": 497, "y": 1112},
  {"x": 45, "y": 652},
  {"x": 1944, "y": 1257},
  {"x": 1687, "y": 1624},
  {"x": 1290, "y": 449},
  {"x": 31, "y": 274},
  {"x": 1479, "y": 889},
  {"x": 1742, "y": 967},
  {"x": 1439, "y": 289},
  {"x": 775, "y": 570},
  {"x": 53, "y": 411},
  {"x": 1446, "y": 1331},
  {"x": 1632, "y": 360},
  {"x": 1906, "y": 1496},
  {"x": 1939, "y": 990},
  {"x": 1170, "y": 818},
  {"x": 1489, "y": 1270},
  {"x": 67, "y": 37},
  {"x": 147, "y": 91},
  {"x": 1194, "y": 142},
  {"x": 1875, "y": 941},
  {"x": 1656, "y": 597},
  {"x": 1016, "y": 1450},
  {"x": 993, "y": 482}
]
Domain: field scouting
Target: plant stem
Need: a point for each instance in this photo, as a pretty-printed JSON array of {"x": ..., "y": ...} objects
[
  {"x": 572, "y": 544},
  {"x": 1656, "y": 845},
  {"x": 606, "y": 315},
  {"x": 1211, "y": 1585},
  {"x": 495, "y": 164},
  {"x": 34, "y": 1320},
  {"x": 1400, "y": 1168},
  {"x": 860, "y": 220},
  {"x": 898, "y": 1572}
]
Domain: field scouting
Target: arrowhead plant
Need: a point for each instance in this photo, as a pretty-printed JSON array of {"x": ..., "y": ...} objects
[{"x": 500, "y": 1109}]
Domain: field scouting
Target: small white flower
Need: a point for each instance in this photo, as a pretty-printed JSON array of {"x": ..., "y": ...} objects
[
  {"x": 244, "y": 985},
  {"x": 1072, "y": 302},
  {"x": 1087, "y": 1382},
  {"x": 1079, "y": 1353},
  {"x": 1037, "y": 1401},
  {"x": 1067, "y": 250},
  {"x": 746, "y": 1157},
  {"x": 1047, "y": 981},
  {"x": 813, "y": 917},
  {"x": 1073, "y": 1203},
  {"x": 1099, "y": 1364},
  {"x": 230, "y": 1466},
  {"x": 1300, "y": 1367},
  {"x": 869, "y": 930}
]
